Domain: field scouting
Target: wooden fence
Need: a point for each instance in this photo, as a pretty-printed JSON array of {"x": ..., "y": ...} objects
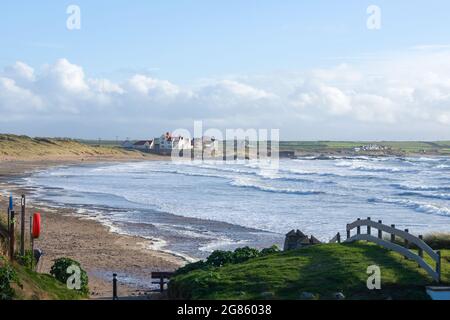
[{"x": 394, "y": 244}]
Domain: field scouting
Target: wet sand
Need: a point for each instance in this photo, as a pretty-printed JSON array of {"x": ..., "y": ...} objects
[{"x": 100, "y": 252}]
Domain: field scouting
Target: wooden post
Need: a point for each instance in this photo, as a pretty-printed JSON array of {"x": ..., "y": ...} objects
[
  {"x": 12, "y": 236},
  {"x": 380, "y": 232},
  {"x": 161, "y": 284},
  {"x": 22, "y": 228},
  {"x": 358, "y": 229},
  {"x": 236, "y": 149},
  {"x": 420, "y": 249},
  {"x": 438, "y": 266},
  {"x": 392, "y": 235},
  {"x": 224, "y": 149},
  {"x": 406, "y": 241},
  {"x": 369, "y": 229},
  {"x": 247, "y": 149},
  {"x": 115, "y": 298},
  {"x": 32, "y": 241},
  {"x": 339, "y": 237},
  {"x": 348, "y": 233}
]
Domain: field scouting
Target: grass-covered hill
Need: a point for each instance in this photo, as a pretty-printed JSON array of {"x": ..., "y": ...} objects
[
  {"x": 18, "y": 281},
  {"x": 24, "y": 147},
  {"x": 29, "y": 285},
  {"x": 322, "y": 270}
]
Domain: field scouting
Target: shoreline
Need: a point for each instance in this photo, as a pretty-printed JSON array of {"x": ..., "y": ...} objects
[{"x": 100, "y": 251}]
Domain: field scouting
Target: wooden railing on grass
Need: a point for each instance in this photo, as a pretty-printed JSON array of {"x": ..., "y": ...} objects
[{"x": 408, "y": 239}]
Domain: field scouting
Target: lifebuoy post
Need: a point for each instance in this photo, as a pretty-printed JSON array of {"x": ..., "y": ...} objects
[
  {"x": 35, "y": 230},
  {"x": 12, "y": 238}
]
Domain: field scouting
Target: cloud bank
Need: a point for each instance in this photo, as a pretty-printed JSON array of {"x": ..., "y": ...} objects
[{"x": 404, "y": 97}]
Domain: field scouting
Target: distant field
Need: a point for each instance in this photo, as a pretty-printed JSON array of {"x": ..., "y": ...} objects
[{"x": 441, "y": 147}]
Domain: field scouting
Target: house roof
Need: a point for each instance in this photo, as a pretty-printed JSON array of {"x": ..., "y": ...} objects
[{"x": 141, "y": 143}]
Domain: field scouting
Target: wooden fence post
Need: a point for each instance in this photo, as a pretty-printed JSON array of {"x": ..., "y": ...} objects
[
  {"x": 348, "y": 233},
  {"x": 115, "y": 287},
  {"x": 392, "y": 235},
  {"x": 22, "y": 227},
  {"x": 369, "y": 229},
  {"x": 438, "y": 266},
  {"x": 420, "y": 249},
  {"x": 12, "y": 236},
  {"x": 358, "y": 229},
  {"x": 380, "y": 232},
  {"x": 339, "y": 237},
  {"x": 406, "y": 242}
]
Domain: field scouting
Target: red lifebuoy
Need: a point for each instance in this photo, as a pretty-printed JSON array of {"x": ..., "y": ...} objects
[{"x": 36, "y": 231}]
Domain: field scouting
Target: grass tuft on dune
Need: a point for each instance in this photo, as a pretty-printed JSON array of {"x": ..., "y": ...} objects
[{"x": 24, "y": 147}]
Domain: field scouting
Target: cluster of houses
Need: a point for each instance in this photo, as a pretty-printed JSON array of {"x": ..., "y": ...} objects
[{"x": 167, "y": 143}]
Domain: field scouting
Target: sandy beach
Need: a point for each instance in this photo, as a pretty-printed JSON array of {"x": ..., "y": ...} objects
[{"x": 100, "y": 252}]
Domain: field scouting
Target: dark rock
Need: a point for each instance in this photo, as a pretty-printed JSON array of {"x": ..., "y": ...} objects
[{"x": 297, "y": 239}]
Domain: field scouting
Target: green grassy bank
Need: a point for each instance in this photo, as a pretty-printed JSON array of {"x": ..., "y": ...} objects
[{"x": 321, "y": 270}]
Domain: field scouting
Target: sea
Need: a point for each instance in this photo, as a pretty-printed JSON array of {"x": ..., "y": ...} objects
[{"x": 193, "y": 208}]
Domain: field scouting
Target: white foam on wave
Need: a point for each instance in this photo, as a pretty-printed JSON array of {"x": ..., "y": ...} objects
[
  {"x": 252, "y": 183},
  {"x": 423, "y": 207}
]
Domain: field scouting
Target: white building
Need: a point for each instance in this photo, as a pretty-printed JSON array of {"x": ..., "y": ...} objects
[
  {"x": 145, "y": 145},
  {"x": 166, "y": 144}
]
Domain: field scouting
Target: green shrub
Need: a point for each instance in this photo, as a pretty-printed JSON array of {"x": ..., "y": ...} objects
[
  {"x": 269, "y": 251},
  {"x": 220, "y": 258},
  {"x": 191, "y": 267},
  {"x": 438, "y": 241},
  {"x": 243, "y": 254},
  {"x": 26, "y": 260},
  {"x": 60, "y": 271},
  {"x": 7, "y": 276}
]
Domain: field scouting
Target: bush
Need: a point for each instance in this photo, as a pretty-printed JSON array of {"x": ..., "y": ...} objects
[
  {"x": 269, "y": 251},
  {"x": 438, "y": 241},
  {"x": 60, "y": 271},
  {"x": 7, "y": 276},
  {"x": 220, "y": 258},
  {"x": 28, "y": 260},
  {"x": 243, "y": 254},
  {"x": 191, "y": 267}
]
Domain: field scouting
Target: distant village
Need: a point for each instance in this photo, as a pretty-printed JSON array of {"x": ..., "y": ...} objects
[{"x": 166, "y": 144}]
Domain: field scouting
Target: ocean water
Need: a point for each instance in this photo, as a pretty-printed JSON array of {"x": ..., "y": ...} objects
[{"x": 194, "y": 208}]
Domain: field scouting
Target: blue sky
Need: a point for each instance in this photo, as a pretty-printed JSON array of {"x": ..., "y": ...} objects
[
  {"x": 182, "y": 40},
  {"x": 190, "y": 43}
]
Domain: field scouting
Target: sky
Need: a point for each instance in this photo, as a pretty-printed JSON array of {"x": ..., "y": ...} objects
[{"x": 316, "y": 70}]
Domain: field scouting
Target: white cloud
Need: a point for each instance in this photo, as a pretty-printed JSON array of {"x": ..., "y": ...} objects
[
  {"x": 397, "y": 94},
  {"x": 20, "y": 71}
]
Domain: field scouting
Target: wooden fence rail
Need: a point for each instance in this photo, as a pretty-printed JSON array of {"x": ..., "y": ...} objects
[{"x": 408, "y": 239}]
